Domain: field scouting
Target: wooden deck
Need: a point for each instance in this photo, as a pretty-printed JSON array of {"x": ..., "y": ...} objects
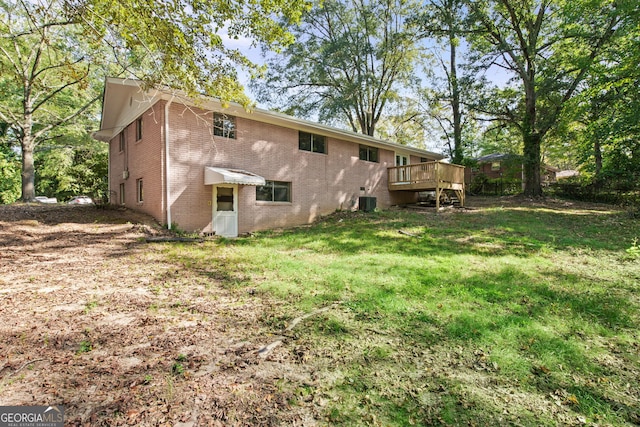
[{"x": 430, "y": 176}]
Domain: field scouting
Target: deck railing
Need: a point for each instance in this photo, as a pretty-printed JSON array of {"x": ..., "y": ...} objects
[{"x": 426, "y": 175}]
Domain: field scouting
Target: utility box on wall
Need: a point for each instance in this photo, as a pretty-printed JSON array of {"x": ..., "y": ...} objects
[{"x": 367, "y": 204}]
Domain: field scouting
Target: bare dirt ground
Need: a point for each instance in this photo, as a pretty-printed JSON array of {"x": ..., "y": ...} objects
[{"x": 94, "y": 318}]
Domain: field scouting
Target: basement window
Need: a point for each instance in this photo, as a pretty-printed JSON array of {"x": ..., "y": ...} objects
[
  {"x": 274, "y": 191},
  {"x": 139, "y": 193}
]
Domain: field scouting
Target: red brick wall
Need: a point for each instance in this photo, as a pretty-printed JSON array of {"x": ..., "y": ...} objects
[
  {"x": 144, "y": 160},
  {"x": 508, "y": 170},
  {"x": 320, "y": 183}
]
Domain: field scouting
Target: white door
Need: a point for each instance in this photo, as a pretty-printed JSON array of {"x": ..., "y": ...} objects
[
  {"x": 403, "y": 173},
  {"x": 225, "y": 210}
]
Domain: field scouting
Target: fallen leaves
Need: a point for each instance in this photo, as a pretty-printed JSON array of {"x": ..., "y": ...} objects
[{"x": 104, "y": 324}]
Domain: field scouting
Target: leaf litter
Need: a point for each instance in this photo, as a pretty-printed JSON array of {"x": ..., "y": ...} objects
[{"x": 98, "y": 321}]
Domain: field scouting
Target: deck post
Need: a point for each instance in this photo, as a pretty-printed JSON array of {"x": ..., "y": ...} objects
[{"x": 437, "y": 175}]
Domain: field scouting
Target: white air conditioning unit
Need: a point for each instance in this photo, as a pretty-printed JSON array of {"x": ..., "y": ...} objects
[{"x": 125, "y": 174}]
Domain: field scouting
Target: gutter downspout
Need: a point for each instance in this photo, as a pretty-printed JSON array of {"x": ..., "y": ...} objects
[{"x": 167, "y": 163}]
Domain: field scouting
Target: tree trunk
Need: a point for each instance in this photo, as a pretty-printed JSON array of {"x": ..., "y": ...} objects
[
  {"x": 27, "y": 144},
  {"x": 531, "y": 139},
  {"x": 28, "y": 170},
  {"x": 457, "y": 154},
  {"x": 597, "y": 153},
  {"x": 532, "y": 166}
]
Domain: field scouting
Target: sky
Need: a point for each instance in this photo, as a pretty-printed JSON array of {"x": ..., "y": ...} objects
[{"x": 495, "y": 75}]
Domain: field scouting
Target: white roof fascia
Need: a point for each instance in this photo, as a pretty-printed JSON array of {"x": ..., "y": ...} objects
[
  {"x": 280, "y": 119},
  {"x": 139, "y": 100}
]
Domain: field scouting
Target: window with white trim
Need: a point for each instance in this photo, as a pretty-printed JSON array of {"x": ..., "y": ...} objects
[
  {"x": 139, "y": 129},
  {"x": 312, "y": 142},
  {"x": 274, "y": 191},
  {"x": 139, "y": 191},
  {"x": 224, "y": 125},
  {"x": 370, "y": 154}
]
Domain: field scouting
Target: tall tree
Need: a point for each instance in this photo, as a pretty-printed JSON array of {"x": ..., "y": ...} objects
[
  {"x": 40, "y": 69},
  {"x": 444, "y": 21},
  {"x": 608, "y": 115},
  {"x": 52, "y": 53},
  {"x": 550, "y": 47},
  {"x": 351, "y": 59}
]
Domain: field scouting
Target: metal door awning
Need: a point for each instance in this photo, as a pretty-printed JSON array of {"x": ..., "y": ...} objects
[{"x": 214, "y": 176}]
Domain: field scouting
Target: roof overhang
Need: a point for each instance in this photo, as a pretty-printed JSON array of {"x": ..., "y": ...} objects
[
  {"x": 215, "y": 176},
  {"x": 126, "y": 99}
]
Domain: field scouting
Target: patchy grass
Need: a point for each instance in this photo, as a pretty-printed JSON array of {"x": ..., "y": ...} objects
[
  {"x": 501, "y": 315},
  {"x": 515, "y": 313}
]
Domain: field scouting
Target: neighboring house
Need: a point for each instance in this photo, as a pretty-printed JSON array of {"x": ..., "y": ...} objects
[
  {"x": 566, "y": 174},
  {"x": 204, "y": 166},
  {"x": 505, "y": 166}
]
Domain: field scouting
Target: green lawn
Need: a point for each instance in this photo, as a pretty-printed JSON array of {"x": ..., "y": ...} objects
[{"x": 491, "y": 316}]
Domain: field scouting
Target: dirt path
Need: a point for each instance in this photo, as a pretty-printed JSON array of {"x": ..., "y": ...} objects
[{"x": 97, "y": 320}]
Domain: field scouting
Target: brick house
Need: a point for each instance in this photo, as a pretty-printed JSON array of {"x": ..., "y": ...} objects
[
  {"x": 204, "y": 166},
  {"x": 507, "y": 167}
]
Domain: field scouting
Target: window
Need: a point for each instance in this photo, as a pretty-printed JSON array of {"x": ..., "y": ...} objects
[
  {"x": 139, "y": 129},
  {"x": 139, "y": 193},
  {"x": 121, "y": 142},
  {"x": 224, "y": 125},
  {"x": 224, "y": 199},
  {"x": 423, "y": 160},
  {"x": 312, "y": 142},
  {"x": 495, "y": 166},
  {"x": 122, "y": 194},
  {"x": 369, "y": 154},
  {"x": 274, "y": 191}
]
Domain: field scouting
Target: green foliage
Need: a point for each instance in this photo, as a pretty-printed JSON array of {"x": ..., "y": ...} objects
[
  {"x": 633, "y": 251},
  {"x": 66, "y": 172},
  {"x": 177, "y": 369},
  {"x": 482, "y": 184},
  {"x": 533, "y": 302},
  {"x": 9, "y": 175},
  {"x": 599, "y": 132},
  {"x": 85, "y": 347},
  {"x": 181, "y": 45},
  {"x": 587, "y": 190},
  {"x": 504, "y": 186},
  {"x": 54, "y": 56},
  {"x": 449, "y": 96},
  {"x": 350, "y": 60},
  {"x": 550, "y": 48}
]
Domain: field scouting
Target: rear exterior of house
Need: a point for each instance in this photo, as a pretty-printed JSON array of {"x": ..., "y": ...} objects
[{"x": 202, "y": 167}]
